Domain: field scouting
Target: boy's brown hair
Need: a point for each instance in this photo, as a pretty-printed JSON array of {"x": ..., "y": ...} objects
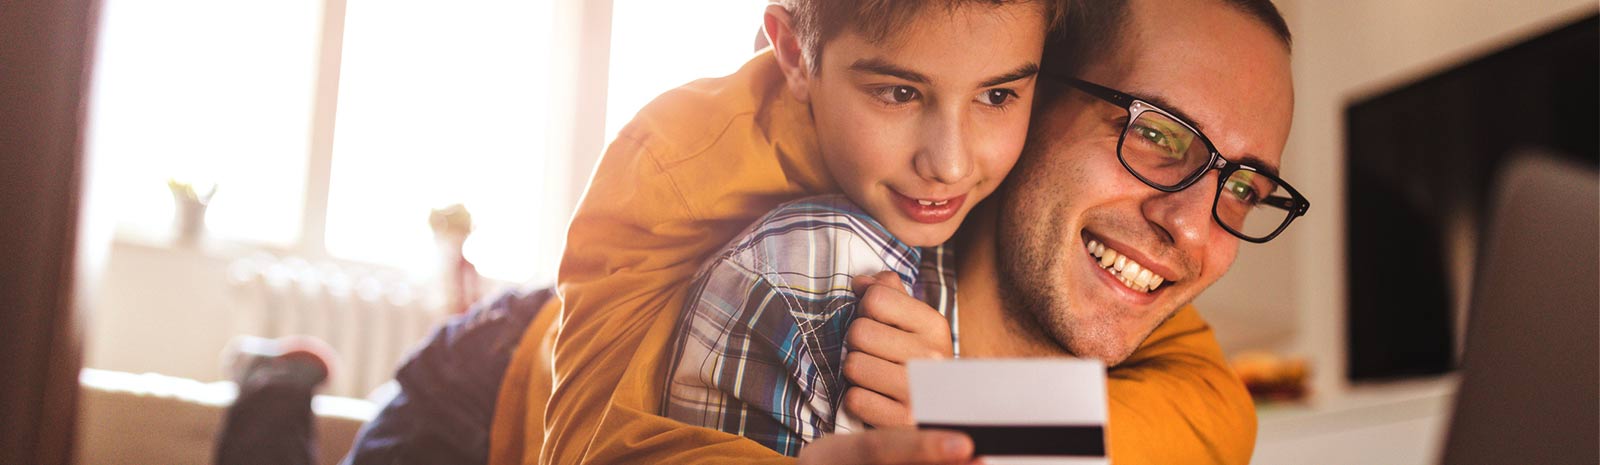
[{"x": 815, "y": 22}]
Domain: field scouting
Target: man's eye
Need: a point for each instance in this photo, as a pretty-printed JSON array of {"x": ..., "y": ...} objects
[
  {"x": 897, "y": 94},
  {"x": 1242, "y": 190},
  {"x": 996, "y": 97},
  {"x": 1153, "y": 136},
  {"x": 1171, "y": 147}
]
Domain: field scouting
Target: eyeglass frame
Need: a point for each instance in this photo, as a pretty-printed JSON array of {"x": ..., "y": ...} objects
[{"x": 1297, "y": 205}]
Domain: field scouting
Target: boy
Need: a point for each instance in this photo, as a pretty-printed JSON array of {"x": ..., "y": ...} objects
[
  {"x": 951, "y": 89},
  {"x": 798, "y": 260},
  {"x": 914, "y": 109}
]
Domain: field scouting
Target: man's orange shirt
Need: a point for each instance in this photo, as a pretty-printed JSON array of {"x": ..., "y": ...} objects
[{"x": 694, "y": 168}]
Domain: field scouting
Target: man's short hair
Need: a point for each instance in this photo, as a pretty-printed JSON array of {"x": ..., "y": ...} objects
[
  {"x": 1092, "y": 27},
  {"x": 1267, "y": 13},
  {"x": 815, "y": 22}
]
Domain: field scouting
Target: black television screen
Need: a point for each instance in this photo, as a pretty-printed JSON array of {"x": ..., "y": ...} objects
[{"x": 1420, "y": 159}]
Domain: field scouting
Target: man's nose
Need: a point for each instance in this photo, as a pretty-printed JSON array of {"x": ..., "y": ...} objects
[
  {"x": 1184, "y": 216},
  {"x": 943, "y": 155}
]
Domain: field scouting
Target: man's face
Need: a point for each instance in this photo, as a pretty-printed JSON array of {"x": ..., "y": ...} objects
[
  {"x": 919, "y": 127},
  {"x": 1224, "y": 71}
]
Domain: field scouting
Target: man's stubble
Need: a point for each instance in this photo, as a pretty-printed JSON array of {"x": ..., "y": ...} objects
[{"x": 1029, "y": 247}]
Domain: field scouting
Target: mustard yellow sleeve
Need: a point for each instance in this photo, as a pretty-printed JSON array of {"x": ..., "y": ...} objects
[
  {"x": 634, "y": 436},
  {"x": 625, "y": 433},
  {"x": 1175, "y": 400},
  {"x": 697, "y": 166},
  {"x": 632, "y": 246}
]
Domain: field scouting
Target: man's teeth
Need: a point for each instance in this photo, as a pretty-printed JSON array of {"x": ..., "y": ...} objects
[
  {"x": 1130, "y": 272},
  {"x": 929, "y": 203}
]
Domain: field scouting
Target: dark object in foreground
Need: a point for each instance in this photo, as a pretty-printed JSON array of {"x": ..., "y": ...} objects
[{"x": 1077, "y": 441}]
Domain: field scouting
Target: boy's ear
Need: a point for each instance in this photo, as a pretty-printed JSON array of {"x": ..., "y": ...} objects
[{"x": 786, "y": 48}]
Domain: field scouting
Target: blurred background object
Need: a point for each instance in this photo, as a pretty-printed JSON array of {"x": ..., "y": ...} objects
[
  {"x": 1529, "y": 375},
  {"x": 1421, "y": 158},
  {"x": 451, "y": 226},
  {"x": 51, "y": 245},
  {"x": 1271, "y": 378},
  {"x": 189, "y": 210}
]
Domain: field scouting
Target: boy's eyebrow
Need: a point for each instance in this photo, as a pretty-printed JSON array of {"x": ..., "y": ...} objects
[
  {"x": 880, "y": 66},
  {"x": 1022, "y": 72}
]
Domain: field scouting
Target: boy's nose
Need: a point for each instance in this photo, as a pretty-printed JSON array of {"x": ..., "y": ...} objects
[{"x": 944, "y": 156}]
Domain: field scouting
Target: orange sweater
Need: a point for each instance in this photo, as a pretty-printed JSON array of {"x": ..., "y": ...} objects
[{"x": 696, "y": 166}]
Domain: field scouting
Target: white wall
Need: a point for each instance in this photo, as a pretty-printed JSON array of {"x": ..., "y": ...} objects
[{"x": 160, "y": 309}]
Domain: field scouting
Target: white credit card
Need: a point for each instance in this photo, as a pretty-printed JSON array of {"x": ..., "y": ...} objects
[{"x": 1018, "y": 411}]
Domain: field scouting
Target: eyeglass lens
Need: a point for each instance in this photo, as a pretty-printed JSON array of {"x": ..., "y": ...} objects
[{"x": 1166, "y": 153}]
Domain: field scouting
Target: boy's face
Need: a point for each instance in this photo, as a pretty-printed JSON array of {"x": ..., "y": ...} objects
[{"x": 919, "y": 127}]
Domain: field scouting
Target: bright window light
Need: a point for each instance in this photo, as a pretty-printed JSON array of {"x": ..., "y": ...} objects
[
  {"x": 659, "y": 45},
  {"x": 443, "y": 103},
  {"x": 207, "y": 92}
]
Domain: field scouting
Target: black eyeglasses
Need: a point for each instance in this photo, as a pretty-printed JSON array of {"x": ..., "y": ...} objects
[{"x": 1169, "y": 154}]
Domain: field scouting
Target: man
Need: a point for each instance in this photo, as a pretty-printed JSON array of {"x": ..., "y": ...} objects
[
  {"x": 1029, "y": 287},
  {"x": 1030, "y": 283}
]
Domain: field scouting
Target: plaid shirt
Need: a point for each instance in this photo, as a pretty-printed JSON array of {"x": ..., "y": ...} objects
[{"x": 759, "y": 348}]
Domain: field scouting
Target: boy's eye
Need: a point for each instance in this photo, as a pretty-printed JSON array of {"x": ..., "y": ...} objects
[
  {"x": 897, "y": 94},
  {"x": 996, "y": 97}
]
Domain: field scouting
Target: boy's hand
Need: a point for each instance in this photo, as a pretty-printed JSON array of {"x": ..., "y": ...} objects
[
  {"x": 891, "y": 327},
  {"x": 890, "y": 447}
]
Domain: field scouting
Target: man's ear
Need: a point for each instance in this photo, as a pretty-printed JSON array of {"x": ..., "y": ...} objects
[{"x": 786, "y": 48}]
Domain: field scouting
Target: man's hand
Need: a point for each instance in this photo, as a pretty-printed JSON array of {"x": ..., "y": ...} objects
[
  {"x": 889, "y": 447},
  {"x": 890, "y": 328}
]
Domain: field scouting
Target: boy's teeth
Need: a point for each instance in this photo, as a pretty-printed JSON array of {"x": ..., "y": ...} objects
[
  {"x": 1129, "y": 272},
  {"x": 929, "y": 203}
]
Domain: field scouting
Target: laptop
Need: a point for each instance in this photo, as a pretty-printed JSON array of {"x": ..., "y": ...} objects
[{"x": 1529, "y": 389}]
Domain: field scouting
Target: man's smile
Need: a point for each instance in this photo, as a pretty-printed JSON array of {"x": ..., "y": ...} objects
[{"x": 1144, "y": 277}]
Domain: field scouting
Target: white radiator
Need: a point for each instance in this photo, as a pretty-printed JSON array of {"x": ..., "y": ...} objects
[{"x": 371, "y": 317}]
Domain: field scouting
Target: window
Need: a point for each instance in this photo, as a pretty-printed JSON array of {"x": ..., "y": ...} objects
[
  {"x": 441, "y": 104},
  {"x": 435, "y": 104},
  {"x": 206, "y": 92},
  {"x": 657, "y": 46}
]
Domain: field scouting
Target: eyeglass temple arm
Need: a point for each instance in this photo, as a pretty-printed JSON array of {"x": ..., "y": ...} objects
[
  {"x": 1288, "y": 203},
  {"x": 1103, "y": 92}
]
